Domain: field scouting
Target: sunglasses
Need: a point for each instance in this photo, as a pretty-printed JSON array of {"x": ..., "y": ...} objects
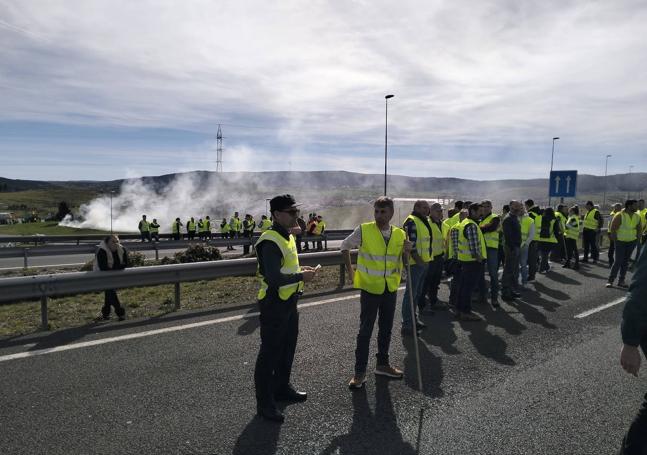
[{"x": 290, "y": 211}]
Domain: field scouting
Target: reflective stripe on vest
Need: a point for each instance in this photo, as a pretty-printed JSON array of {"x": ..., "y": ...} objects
[
  {"x": 627, "y": 231},
  {"x": 464, "y": 252},
  {"x": 289, "y": 264},
  {"x": 573, "y": 227},
  {"x": 379, "y": 264},
  {"x": 491, "y": 238},
  {"x": 437, "y": 240},
  {"x": 526, "y": 222},
  {"x": 423, "y": 238},
  {"x": 589, "y": 220},
  {"x": 551, "y": 238}
]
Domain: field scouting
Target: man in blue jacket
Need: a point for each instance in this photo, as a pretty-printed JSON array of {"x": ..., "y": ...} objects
[{"x": 634, "y": 334}]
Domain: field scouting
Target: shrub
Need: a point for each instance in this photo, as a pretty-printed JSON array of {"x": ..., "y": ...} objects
[{"x": 198, "y": 253}]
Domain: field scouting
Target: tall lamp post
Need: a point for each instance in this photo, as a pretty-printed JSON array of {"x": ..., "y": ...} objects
[
  {"x": 629, "y": 181},
  {"x": 552, "y": 156},
  {"x": 606, "y": 166},
  {"x": 386, "y": 129}
]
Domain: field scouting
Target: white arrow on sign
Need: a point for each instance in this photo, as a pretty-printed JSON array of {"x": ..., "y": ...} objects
[
  {"x": 568, "y": 183},
  {"x": 557, "y": 179}
]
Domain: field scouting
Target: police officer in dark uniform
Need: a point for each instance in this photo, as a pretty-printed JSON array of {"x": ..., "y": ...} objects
[{"x": 281, "y": 284}]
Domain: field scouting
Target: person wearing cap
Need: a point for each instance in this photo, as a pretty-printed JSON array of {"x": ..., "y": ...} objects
[
  {"x": 282, "y": 282},
  {"x": 377, "y": 275}
]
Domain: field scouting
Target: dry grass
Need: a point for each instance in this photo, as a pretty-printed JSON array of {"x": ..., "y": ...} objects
[{"x": 73, "y": 311}]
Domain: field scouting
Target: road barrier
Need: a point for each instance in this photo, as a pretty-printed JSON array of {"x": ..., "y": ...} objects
[
  {"x": 44, "y": 287},
  {"x": 26, "y": 252}
]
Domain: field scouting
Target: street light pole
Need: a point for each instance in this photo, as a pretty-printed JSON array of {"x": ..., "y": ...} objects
[
  {"x": 386, "y": 129},
  {"x": 629, "y": 181},
  {"x": 606, "y": 166},
  {"x": 552, "y": 156}
]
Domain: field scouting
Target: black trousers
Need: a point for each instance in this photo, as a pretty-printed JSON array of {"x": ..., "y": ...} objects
[
  {"x": 589, "y": 239},
  {"x": 432, "y": 282},
  {"x": 191, "y": 235},
  {"x": 111, "y": 299},
  {"x": 635, "y": 440},
  {"x": 279, "y": 331},
  {"x": 611, "y": 252},
  {"x": 469, "y": 279},
  {"x": 374, "y": 306},
  {"x": 544, "y": 252},
  {"x": 532, "y": 259},
  {"x": 246, "y": 247},
  {"x": 571, "y": 251},
  {"x": 176, "y": 236}
]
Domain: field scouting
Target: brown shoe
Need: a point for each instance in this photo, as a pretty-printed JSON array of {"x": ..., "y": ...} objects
[
  {"x": 357, "y": 382},
  {"x": 389, "y": 371}
]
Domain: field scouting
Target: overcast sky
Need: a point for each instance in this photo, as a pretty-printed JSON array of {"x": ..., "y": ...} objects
[{"x": 105, "y": 89}]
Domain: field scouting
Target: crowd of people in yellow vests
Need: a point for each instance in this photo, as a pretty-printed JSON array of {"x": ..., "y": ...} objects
[{"x": 232, "y": 228}]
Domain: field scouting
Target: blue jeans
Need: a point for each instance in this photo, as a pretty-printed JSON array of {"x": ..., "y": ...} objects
[
  {"x": 416, "y": 280},
  {"x": 493, "y": 270},
  {"x": 623, "y": 253},
  {"x": 523, "y": 262}
]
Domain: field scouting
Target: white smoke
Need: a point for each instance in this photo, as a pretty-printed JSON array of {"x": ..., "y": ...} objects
[{"x": 195, "y": 194}]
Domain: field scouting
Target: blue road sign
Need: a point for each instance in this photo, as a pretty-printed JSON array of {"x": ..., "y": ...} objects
[{"x": 562, "y": 183}]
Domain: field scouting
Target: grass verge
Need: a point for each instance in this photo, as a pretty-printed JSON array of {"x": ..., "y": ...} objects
[{"x": 72, "y": 311}]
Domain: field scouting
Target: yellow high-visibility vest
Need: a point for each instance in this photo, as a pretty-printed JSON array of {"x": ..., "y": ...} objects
[
  {"x": 379, "y": 265},
  {"x": 144, "y": 226},
  {"x": 526, "y": 222},
  {"x": 551, "y": 238},
  {"x": 224, "y": 228},
  {"x": 265, "y": 225},
  {"x": 589, "y": 220},
  {"x": 289, "y": 264},
  {"x": 627, "y": 232},
  {"x": 155, "y": 228},
  {"x": 572, "y": 227},
  {"x": 190, "y": 225},
  {"x": 491, "y": 238},
  {"x": 437, "y": 240},
  {"x": 562, "y": 220},
  {"x": 175, "y": 228},
  {"x": 464, "y": 252},
  {"x": 423, "y": 238}
]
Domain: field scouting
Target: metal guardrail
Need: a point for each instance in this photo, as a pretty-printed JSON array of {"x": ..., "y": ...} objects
[
  {"x": 90, "y": 248},
  {"x": 44, "y": 287},
  {"x": 42, "y": 239}
]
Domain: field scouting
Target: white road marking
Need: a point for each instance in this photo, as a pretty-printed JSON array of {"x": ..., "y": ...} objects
[
  {"x": 600, "y": 308},
  {"x": 42, "y": 266},
  {"x": 177, "y": 328}
]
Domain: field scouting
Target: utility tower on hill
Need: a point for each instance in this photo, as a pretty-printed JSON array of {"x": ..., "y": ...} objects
[{"x": 219, "y": 150}]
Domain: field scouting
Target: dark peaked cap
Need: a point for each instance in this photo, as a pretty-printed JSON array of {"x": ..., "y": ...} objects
[{"x": 285, "y": 201}]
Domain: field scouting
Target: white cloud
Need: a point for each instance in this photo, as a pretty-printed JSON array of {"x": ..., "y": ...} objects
[{"x": 507, "y": 74}]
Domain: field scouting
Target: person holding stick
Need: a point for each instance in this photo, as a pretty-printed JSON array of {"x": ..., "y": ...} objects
[{"x": 382, "y": 248}]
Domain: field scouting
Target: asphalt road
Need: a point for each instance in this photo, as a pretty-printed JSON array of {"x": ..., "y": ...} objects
[
  {"x": 532, "y": 379},
  {"x": 79, "y": 259}
]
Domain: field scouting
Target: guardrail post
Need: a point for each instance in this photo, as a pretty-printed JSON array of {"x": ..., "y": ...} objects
[
  {"x": 24, "y": 255},
  {"x": 342, "y": 275},
  {"x": 177, "y": 296},
  {"x": 44, "y": 324},
  {"x": 325, "y": 243},
  {"x": 157, "y": 253}
]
